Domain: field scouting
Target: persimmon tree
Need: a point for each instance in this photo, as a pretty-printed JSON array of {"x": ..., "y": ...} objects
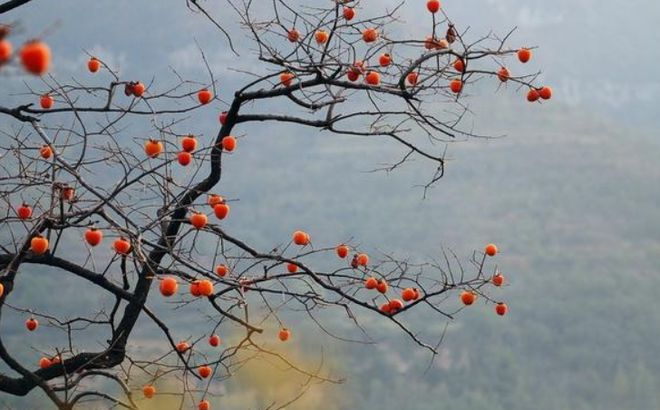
[{"x": 337, "y": 67}]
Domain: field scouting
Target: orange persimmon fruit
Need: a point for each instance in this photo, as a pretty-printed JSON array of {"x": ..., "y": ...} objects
[
  {"x": 228, "y": 143},
  {"x": 35, "y": 57},
  {"x": 342, "y": 251},
  {"x": 122, "y": 246},
  {"x": 153, "y": 148},
  {"x": 284, "y": 334},
  {"x": 93, "y": 236},
  {"x": 301, "y": 238},
  {"x": 168, "y": 286},
  {"x": 39, "y": 245},
  {"x": 46, "y": 101},
  {"x": 24, "y": 211}
]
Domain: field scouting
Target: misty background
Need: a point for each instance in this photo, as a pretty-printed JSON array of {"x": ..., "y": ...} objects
[{"x": 570, "y": 196}]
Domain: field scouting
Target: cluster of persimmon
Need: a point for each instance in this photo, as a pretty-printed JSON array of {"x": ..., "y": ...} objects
[
  {"x": 183, "y": 347},
  {"x": 34, "y": 55},
  {"x": 372, "y": 76},
  {"x": 468, "y": 297},
  {"x": 46, "y": 362},
  {"x": 31, "y": 325},
  {"x": 131, "y": 88},
  {"x": 153, "y": 148},
  {"x": 93, "y": 236},
  {"x": 392, "y": 306}
]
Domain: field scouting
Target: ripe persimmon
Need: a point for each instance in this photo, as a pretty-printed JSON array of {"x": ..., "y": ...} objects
[
  {"x": 205, "y": 287},
  {"x": 198, "y": 220},
  {"x": 284, "y": 334},
  {"x": 221, "y": 270},
  {"x": 93, "y": 65},
  {"x": 6, "y": 49},
  {"x": 32, "y": 324},
  {"x": 459, "y": 65},
  {"x": 214, "y": 340},
  {"x": 228, "y": 143},
  {"x": 468, "y": 298},
  {"x": 503, "y": 74},
  {"x": 352, "y": 74},
  {"x": 45, "y": 363},
  {"x": 223, "y": 118},
  {"x": 490, "y": 249},
  {"x": 363, "y": 259},
  {"x": 214, "y": 199},
  {"x": 409, "y": 294},
  {"x": 205, "y": 371},
  {"x": 349, "y": 13},
  {"x": 93, "y": 236},
  {"x": 501, "y": 309},
  {"x": 138, "y": 89},
  {"x": 221, "y": 211},
  {"x": 149, "y": 391},
  {"x": 385, "y": 60},
  {"x": 153, "y": 148},
  {"x": 35, "y": 57},
  {"x": 39, "y": 245},
  {"x": 286, "y": 78},
  {"x": 412, "y": 78},
  {"x": 24, "y": 211},
  {"x": 301, "y": 238},
  {"x": 45, "y": 151},
  {"x": 371, "y": 283},
  {"x": 321, "y": 36},
  {"x": 342, "y": 251},
  {"x": 46, "y": 101},
  {"x": 292, "y": 268},
  {"x": 293, "y": 35},
  {"x": 121, "y": 246},
  {"x": 370, "y": 35},
  {"x": 524, "y": 55},
  {"x": 395, "y": 305},
  {"x": 456, "y": 85},
  {"x": 382, "y": 286},
  {"x": 356, "y": 70},
  {"x": 182, "y": 346},
  {"x": 372, "y": 78},
  {"x": 433, "y": 5},
  {"x": 545, "y": 92},
  {"x": 497, "y": 279},
  {"x": 204, "y": 405},
  {"x": 189, "y": 143},
  {"x": 184, "y": 158},
  {"x": 385, "y": 308},
  {"x": 533, "y": 95},
  {"x": 2, "y": 289},
  {"x": 204, "y": 96},
  {"x": 168, "y": 286}
]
